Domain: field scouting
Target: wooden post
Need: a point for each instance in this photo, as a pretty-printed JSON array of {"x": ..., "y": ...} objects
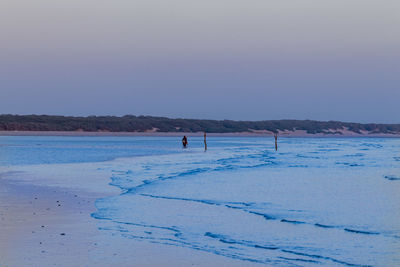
[
  {"x": 205, "y": 141},
  {"x": 276, "y": 141}
]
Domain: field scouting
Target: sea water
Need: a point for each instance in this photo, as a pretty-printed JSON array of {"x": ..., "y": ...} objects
[{"x": 331, "y": 201}]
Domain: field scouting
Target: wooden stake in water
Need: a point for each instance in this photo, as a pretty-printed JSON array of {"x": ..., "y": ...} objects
[
  {"x": 276, "y": 141},
  {"x": 205, "y": 141}
]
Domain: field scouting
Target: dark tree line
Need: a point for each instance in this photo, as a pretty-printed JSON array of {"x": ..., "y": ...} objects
[{"x": 130, "y": 123}]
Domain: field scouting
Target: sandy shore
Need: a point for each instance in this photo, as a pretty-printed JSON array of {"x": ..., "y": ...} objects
[
  {"x": 52, "y": 226},
  {"x": 297, "y": 133}
]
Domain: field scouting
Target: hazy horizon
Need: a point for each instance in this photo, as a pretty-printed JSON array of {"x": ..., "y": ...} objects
[{"x": 260, "y": 60}]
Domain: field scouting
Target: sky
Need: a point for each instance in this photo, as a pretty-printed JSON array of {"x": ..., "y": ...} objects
[{"x": 209, "y": 59}]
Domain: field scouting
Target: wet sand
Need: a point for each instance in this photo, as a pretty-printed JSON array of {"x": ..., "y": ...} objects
[
  {"x": 52, "y": 226},
  {"x": 44, "y": 226}
]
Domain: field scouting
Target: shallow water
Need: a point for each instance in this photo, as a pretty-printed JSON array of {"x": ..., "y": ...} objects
[{"x": 326, "y": 201}]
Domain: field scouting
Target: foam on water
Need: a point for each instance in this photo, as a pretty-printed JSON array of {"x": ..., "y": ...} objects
[{"x": 314, "y": 201}]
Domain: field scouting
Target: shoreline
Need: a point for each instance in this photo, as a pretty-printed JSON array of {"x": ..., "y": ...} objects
[
  {"x": 46, "y": 209},
  {"x": 295, "y": 134},
  {"x": 51, "y": 225}
]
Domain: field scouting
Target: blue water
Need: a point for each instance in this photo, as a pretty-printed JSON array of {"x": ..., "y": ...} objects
[
  {"x": 27, "y": 150},
  {"x": 332, "y": 201}
]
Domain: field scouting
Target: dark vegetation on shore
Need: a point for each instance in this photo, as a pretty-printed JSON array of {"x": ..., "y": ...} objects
[{"x": 130, "y": 123}]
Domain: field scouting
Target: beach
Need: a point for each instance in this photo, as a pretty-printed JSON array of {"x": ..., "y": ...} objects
[
  {"x": 124, "y": 201},
  {"x": 52, "y": 226},
  {"x": 199, "y": 133}
]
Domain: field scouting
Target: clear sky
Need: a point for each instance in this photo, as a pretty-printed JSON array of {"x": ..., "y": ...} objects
[{"x": 243, "y": 60}]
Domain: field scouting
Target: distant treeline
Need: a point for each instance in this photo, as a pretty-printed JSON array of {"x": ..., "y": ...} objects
[{"x": 130, "y": 123}]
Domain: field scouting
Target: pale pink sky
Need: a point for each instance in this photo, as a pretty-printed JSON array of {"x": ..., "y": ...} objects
[{"x": 252, "y": 60}]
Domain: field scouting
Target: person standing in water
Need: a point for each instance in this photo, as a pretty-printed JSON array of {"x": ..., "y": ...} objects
[
  {"x": 276, "y": 141},
  {"x": 184, "y": 141}
]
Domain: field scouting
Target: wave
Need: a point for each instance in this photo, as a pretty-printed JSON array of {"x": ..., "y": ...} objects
[
  {"x": 391, "y": 178},
  {"x": 324, "y": 226},
  {"x": 315, "y": 256},
  {"x": 350, "y": 164},
  {"x": 245, "y": 207},
  {"x": 301, "y": 260},
  {"x": 292, "y": 221},
  {"x": 360, "y": 232},
  {"x": 145, "y": 178},
  {"x": 225, "y": 239}
]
